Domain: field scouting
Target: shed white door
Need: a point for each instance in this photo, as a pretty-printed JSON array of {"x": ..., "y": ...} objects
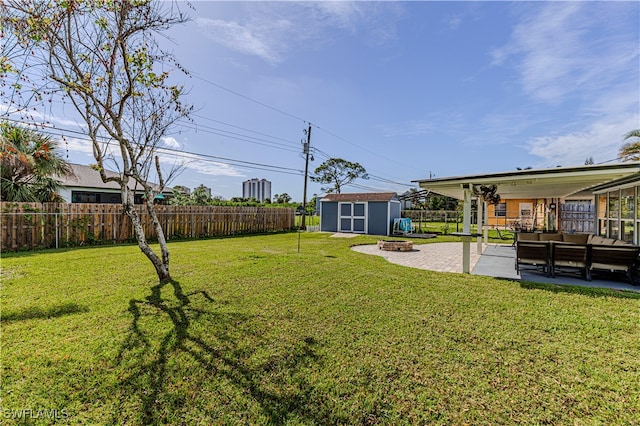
[{"x": 352, "y": 217}]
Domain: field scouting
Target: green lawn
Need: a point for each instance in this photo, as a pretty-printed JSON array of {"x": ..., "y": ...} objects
[{"x": 253, "y": 332}]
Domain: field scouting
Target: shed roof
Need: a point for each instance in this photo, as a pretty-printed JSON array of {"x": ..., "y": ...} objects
[
  {"x": 359, "y": 197},
  {"x": 559, "y": 182}
]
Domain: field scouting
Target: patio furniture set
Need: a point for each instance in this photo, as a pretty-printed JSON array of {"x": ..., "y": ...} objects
[{"x": 585, "y": 253}]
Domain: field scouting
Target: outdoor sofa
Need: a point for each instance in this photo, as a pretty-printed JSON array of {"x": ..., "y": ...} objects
[{"x": 586, "y": 253}]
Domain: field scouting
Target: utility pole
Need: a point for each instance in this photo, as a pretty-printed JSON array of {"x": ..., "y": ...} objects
[
  {"x": 305, "y": 150},
  {"x": 306, "y": 146}
]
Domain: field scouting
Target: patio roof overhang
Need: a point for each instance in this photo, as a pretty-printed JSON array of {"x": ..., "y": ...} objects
[{"x": 559, "y": 182}]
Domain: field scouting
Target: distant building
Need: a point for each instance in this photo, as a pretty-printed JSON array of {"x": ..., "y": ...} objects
[{"x": 260, "y": 189}]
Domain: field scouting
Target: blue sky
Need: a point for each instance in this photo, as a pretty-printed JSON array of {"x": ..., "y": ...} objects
[{"x": 407, "y": 89}]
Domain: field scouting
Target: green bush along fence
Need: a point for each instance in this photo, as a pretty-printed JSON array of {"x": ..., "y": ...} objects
[{"x": 27, "y": 226}]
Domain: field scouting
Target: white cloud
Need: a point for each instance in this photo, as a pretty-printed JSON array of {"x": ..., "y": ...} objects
[
  {"x": 570, "y": 47},
  {"x": 453, "y": 22},
  {"x": 195, "y": 163},
  {"x": 601, "y": 140},
  {"x": 213, "y": 168},
  {"x": 77, "y": 145},
  {"x": 170, "y": 142},
  {"x": 342, "y": 14},
  {"x": 186, "y": 160},
  {"x": 35, "y": 116},
  {"x": 243, "y": 38},
  {"x": 270, "y": 30}
]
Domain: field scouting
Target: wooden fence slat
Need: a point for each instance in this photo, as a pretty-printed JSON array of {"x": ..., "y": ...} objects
[{"x": 34, "y": 225}]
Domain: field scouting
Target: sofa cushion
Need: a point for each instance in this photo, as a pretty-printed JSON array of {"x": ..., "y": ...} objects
[
  {"x": 608, "y": 241},
  {"x": 550, "y": 237},
  {"x": 621, "y": 243},
  {"x": 595, "y": 239},
  {"x": 528, "y": 236},
  {"x": 575, "y": 238}
]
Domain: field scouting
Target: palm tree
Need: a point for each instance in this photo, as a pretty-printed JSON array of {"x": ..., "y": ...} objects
[
  {"x": 29, "y": 165},
  {"x": 630, "y": 151}
]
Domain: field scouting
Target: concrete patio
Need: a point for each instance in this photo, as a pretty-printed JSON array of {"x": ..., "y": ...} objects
[{"x": 497, "y": 260}]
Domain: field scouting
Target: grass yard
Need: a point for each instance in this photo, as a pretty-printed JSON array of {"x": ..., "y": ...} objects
[{"x": 253, "y": 332}]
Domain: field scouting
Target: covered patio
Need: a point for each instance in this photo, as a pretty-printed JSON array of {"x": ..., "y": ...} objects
[
  {"x": 550, "y": 186},
  {"x": 497, "y": 260}
]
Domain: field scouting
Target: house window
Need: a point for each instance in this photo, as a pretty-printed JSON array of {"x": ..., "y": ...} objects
[
  {"x": 526, "y": 210},
  {"x": 627, "y": 203},
  {"x": 97, "y": 197},
  {"x": 614, "y": 204},
  {"x": 501, "y": 210},
  {"x": 85, "y": 197}
]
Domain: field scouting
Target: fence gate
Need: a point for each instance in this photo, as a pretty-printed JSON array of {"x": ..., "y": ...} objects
[{"x": 578, "y": 216}]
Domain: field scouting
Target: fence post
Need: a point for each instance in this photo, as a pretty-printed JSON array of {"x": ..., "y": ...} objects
[{"x": 57, "y": 230}]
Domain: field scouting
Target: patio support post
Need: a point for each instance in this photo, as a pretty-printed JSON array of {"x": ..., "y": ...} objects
[
  {"x": 485, "y": 222},
  {"x": 466, "y": 210},
  {"x": 466, "y": 228},
  {"x": 480, "y": 220}
]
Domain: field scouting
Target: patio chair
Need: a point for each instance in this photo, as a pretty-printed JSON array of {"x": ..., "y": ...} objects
[
  {"x": 570, "y": 256},
  {"x": 533, "y": 253},
  {"x": 614, "y": 258},
  {"x": 402, "y": 226}
]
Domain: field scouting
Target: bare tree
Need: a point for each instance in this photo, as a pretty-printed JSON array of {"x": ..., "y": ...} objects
[{"x": 102, "y": 57}]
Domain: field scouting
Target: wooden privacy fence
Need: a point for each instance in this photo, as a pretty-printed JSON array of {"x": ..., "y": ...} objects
[{"x": 26, "y": 226}]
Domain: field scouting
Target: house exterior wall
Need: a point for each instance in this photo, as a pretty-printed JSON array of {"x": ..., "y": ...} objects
[
  {"x": 328, "y": 216},
  {"x": 549, "y": 214},
  {"x": 378, "y": 218},
  {"x": 395, "y": 211},
  {"x": 102, "y": 196},
  {"x": 512, "y": 213}
]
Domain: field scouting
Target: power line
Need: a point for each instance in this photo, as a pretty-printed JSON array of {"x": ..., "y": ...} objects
[
  {"x": 57, "y": 131},
  {"x": 270, "y": 143},
  {"x": 196, "y": 75},
  {"x": 295, "y": 117},
  {"x": 243, "y": 128},
  {"x": 286, "y": 170},
  {"x": 365, "y": 187},
  {"x": 373, "y": 177},
  {"x": 241, "y": 137},
  {"x": 359, "y": 147}
]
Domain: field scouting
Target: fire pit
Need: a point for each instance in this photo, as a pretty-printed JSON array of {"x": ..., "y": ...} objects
[{"x": 395, "y": 245}]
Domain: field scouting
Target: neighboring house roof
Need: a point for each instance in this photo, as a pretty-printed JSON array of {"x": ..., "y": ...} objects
[
  {"x": 558, "y": 182},
  {"x": 360, "y": 197},
  {"x": 86, "y": 177}
]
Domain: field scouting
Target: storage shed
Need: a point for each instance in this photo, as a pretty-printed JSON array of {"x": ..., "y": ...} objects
[{"x": 362, "y": 213}]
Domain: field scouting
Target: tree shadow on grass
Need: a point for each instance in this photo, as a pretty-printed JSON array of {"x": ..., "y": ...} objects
[
  {"x": 204, "y": 350},
  {"x": 37, "y": 312}
]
